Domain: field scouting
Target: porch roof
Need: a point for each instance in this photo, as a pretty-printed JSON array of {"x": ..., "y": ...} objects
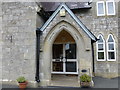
[{"x": 77, "y": 20}]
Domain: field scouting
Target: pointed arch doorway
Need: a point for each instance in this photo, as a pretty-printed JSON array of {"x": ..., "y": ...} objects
[
  {"x": 64, "y": 61},
  {"x": 64, "y": 58}
]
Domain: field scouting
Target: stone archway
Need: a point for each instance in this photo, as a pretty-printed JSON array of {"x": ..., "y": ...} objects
[
  {"x": 64, "y": 53},
  {"x": 64, "y": 61},
  {"x": 48, "y": 43}
]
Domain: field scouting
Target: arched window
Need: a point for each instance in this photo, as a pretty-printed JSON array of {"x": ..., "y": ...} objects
[
  {"x": 100, "y": 49},
  {"x": 111, "y": 48}
]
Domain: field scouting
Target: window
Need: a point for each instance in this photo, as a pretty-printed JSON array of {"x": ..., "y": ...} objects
[
  {"x": 110, "y": 7},
  {"x": 100, "y": 8},
  {"x": 111, "y": 48},
  {"x": 108, "y": 10},
  {"x": 100, "y": 49}
]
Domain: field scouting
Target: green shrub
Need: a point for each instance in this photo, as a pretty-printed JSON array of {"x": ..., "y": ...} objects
[
  {"x": 85, "y": 78},
  {"x": 21, "y": 80}
]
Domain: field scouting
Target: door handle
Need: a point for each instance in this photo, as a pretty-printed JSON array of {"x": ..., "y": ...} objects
[{"x": 65, "y": 59}]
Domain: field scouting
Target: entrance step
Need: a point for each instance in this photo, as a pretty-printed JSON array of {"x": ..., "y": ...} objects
[{"x": 65, "y": 80}]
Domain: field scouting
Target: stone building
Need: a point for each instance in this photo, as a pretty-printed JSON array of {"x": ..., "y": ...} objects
[{"x": 45, "y": 41}]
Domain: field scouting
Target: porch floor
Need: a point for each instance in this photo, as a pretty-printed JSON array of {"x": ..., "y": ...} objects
[{"x": 65, "y": 80}]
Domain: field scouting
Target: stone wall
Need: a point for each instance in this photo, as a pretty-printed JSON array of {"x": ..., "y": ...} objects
[
  {"x": 19, "y": 40},
  {"x": 119, "y": 38},
  {"x": 105, "y": 25},
  {"x": 0, "y": 43},
  {"x": 18, "y": 23}
]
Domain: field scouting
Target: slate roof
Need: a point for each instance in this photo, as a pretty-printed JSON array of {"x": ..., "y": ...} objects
[
  {"x": 51, "y": 6},
  {"x": 77, "y": 20}
]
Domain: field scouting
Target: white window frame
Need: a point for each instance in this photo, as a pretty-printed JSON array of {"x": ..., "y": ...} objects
[
  {"x": 103, "y": 8},
  {"x": 113, "y": 7},
  {"x": 111, "y": 50},
  {"x": 101, "y": 50}
]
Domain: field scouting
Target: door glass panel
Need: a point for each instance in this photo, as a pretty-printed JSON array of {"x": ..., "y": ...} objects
[
  {"x": 70, "y": 66},
  {"x": 58, "y": 66},
  {"x": 57, "y": 51},
  {"x": 70, "y": 51}
]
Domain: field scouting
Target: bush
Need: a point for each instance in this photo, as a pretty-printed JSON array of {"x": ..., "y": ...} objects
[
  {"x": 85, "y": 78},
  {"x": 21, "y": 80}
]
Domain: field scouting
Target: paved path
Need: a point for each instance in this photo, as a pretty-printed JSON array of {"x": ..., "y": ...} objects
[
  {"x": 65, "y": 80},
  {"x": 105, "y": 83},
  {"x": 99, "y": 83}
]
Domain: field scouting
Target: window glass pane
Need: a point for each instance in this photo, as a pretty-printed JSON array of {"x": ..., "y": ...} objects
[
  {"x": 110, "y": 8},
  {"x": 110, "y": 39},
  {"x": 58, "y": 66},
  {"x": 57, "y": 51},
  {"x": 111, "y": 46},
  {"x": 111, "y": 55},
  {"x": 100, "y": 39},
  {"x": 100, "y": 8},
  {"x": 100, "y": 55},
  {"x": 100, "y": 46},
  {"x": 71, "y": 67},
  {"x": 70, "y": 50}
]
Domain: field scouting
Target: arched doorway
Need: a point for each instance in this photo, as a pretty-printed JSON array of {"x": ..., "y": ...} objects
[
  {"x": 64, "y": 61},
  {"x": 64, "y": 58},
  {"x": 82, "y": 43}
]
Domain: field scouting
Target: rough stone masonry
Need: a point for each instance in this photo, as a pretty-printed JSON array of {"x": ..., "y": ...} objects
[{"x": 18, "y": 23}]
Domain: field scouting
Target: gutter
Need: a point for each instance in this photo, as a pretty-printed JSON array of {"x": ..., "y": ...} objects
[{"x": 38, "y": 34}]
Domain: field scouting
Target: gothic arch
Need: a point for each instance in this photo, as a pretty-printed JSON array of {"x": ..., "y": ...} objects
[
  {"x": 49, "y": 32},
  {"x": 49, "y": 36}
]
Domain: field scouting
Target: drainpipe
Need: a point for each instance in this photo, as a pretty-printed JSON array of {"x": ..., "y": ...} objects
[
  {"x": 93, "y": 55},
  {"x": 38, "y": 34}
]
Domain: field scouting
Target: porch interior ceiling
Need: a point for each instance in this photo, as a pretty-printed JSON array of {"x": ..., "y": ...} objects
[{"x": 64, "y": 37}]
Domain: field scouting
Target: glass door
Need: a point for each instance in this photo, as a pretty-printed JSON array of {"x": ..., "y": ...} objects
[
  {"x": 57, "y": 58},
  {"x": 71, "y": 61},
  {"x": 64, "y": 59}
]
